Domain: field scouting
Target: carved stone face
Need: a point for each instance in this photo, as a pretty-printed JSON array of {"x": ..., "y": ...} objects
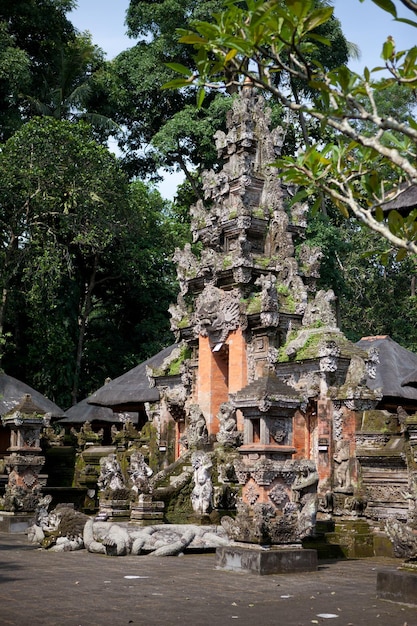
[{"x": 217, "y": 313}]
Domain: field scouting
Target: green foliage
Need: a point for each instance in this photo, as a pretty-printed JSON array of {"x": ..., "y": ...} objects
[
  {"x": 369, "y": 155},
  {"x": 162, "y": 129},
  {"x": 32, "y": 35},
  {"x": 81, "y": 298}
]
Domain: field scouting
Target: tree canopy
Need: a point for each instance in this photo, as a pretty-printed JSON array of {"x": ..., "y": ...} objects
[
  {"x": 86, "y": 270},
  {"x": 370, "y": 159}
]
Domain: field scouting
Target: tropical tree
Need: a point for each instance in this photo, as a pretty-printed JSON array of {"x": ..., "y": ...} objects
[
  {"x": 360, "y": 170},
  {"x": 153, "y": 139},
  {"x": 63, "y": 202},
  {"x": 70, "y": 94},
  {"x": 32, "y": 36}
]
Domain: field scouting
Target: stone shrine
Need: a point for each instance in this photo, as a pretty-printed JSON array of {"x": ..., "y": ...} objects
[{"x": 23, "y": 489}]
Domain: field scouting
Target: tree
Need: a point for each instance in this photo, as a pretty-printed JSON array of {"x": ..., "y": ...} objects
[
  {"x": 359, "y": 170},
  {"x": 71, "y": 92},
  {"x": 63, "y": 202},
  {"x": 14, "y": 76},
  {"x": 145, "y": 112},
  {"x": 32, "y": 36}
]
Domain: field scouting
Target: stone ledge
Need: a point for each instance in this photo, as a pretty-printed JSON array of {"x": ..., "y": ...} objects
[
  {"x": 397, "y": 586},
  {"x": 262, "y": 561},
  {"x": 15, "y": 522}
]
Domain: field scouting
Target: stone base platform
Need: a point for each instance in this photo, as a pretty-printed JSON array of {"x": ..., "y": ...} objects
[
  {"x": 272, "y": 560},
  {"x": 397, "y": 585},
  {"x": 147, "y": 512},
  {"x": 15, "y": 522}
]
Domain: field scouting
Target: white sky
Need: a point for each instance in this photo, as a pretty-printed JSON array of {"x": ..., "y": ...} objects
[{"x": 363, "y": 24}]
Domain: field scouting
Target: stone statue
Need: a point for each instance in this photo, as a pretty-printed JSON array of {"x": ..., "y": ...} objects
[
  {"x": 228, "y": 434},
  {"x": 404, "y": 539},
  {"x": 124, "y": 437},
  {"x": 202, "y": 494},
  {"x": 111, "y": 476},
  {"x": 139, "y": 473},
  {"x": 197, "y": 433},
  {"x": 305, "y": 495},
  {"x": 53, "y": 436},
  {"x": 341, "y": 458},
  {"x": 61, "y": 530},
  {"x": 159, "y": 540},
  {"x": 321, "y": 310},
  {"x": 217, "y": 313}
]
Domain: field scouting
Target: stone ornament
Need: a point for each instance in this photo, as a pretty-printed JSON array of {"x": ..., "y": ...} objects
[
  {"x": 196, "y": 431},
  {"x": 217, "y": 313},
  {"x": 228, "y": 435},
  {"x": 111, "y": 477},
  {"x": 139, "y": 474},
  {"x": 202, "y": 494}
]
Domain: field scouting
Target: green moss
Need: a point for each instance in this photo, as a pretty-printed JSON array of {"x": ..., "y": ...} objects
[
  {"x": 259, "y": 213},
  {"x": 283, "y": 290},
  {"x": 184, "y": 322},
  {"x": 253, "y": 304},
  {"x": 232, "y": 215},
  {"x": 282, "y": 355},
  {"x": 310, "y": 348},
  {"x": 175, "y": 366},
  {"x": 263, "y": 262},
  {"x": 227, "y": 262}
]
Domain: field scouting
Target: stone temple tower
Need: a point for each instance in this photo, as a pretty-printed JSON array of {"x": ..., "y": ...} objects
[
  {"x": 253, "y": 330},
  {"x": 241, "y": 296}
]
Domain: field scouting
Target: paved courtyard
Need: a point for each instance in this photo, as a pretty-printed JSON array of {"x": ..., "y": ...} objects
[{"x": 81, "y": 589}]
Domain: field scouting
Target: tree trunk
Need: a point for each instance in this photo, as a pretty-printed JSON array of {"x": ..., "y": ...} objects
[{"x": 85, "y": 310}]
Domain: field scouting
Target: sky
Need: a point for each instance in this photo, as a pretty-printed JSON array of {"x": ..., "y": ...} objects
[{"x": 363, "y": 24}]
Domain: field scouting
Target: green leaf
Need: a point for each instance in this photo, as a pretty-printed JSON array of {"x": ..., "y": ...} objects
[
  {"x": 386, "y": 5},
  {"x": 230, "y": 55},
  {"x": 200, "y": 97},
  {"x": 176, "y": 83},
  {"x": 404, "y": 20},
  {"x": 395, "y": 221},
  {"x": 193, "y": 39},
  {"x": 401, "y": 254},
  {"x": 388, "y": 49},
  {"x": 179, "y": 68},
  {"x": 317, "y": 18}
]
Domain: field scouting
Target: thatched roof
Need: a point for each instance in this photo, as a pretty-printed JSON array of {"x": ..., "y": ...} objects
[
  {"x": 13, "y": 391},
  {"x": 84, "y": 412},
  {"x": 404, "y": 201},
  {"x": 396, "y": 372},
  {"x": 133, "y": 387}
]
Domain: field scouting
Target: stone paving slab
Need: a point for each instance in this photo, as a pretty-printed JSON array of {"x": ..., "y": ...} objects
[{"x": 38, "y": 587}]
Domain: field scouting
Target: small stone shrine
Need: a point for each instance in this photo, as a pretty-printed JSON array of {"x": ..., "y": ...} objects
[{"x": 23, "y": 489}]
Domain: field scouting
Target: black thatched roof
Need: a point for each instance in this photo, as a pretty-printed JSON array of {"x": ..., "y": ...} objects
[
  {"x": 132, "y": 387},
  {"x": 84, "y": 412},
  {"x": 404, "y": 201},
  {"x": 12, "y": 392},
  {"x": 396, "y": 372}
]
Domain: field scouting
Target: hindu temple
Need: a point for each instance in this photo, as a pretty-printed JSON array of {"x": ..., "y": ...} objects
[{"x": 262, "y": 417}]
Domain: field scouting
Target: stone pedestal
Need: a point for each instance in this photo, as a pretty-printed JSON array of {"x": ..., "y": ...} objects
[
  {"x": 146, "y": 512},
  {"x": 397, "y": 586},
  {"x": 262, "y": 561},
  {"x": 11, "y": 522},
  {"x": 114, "y": 510}
]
